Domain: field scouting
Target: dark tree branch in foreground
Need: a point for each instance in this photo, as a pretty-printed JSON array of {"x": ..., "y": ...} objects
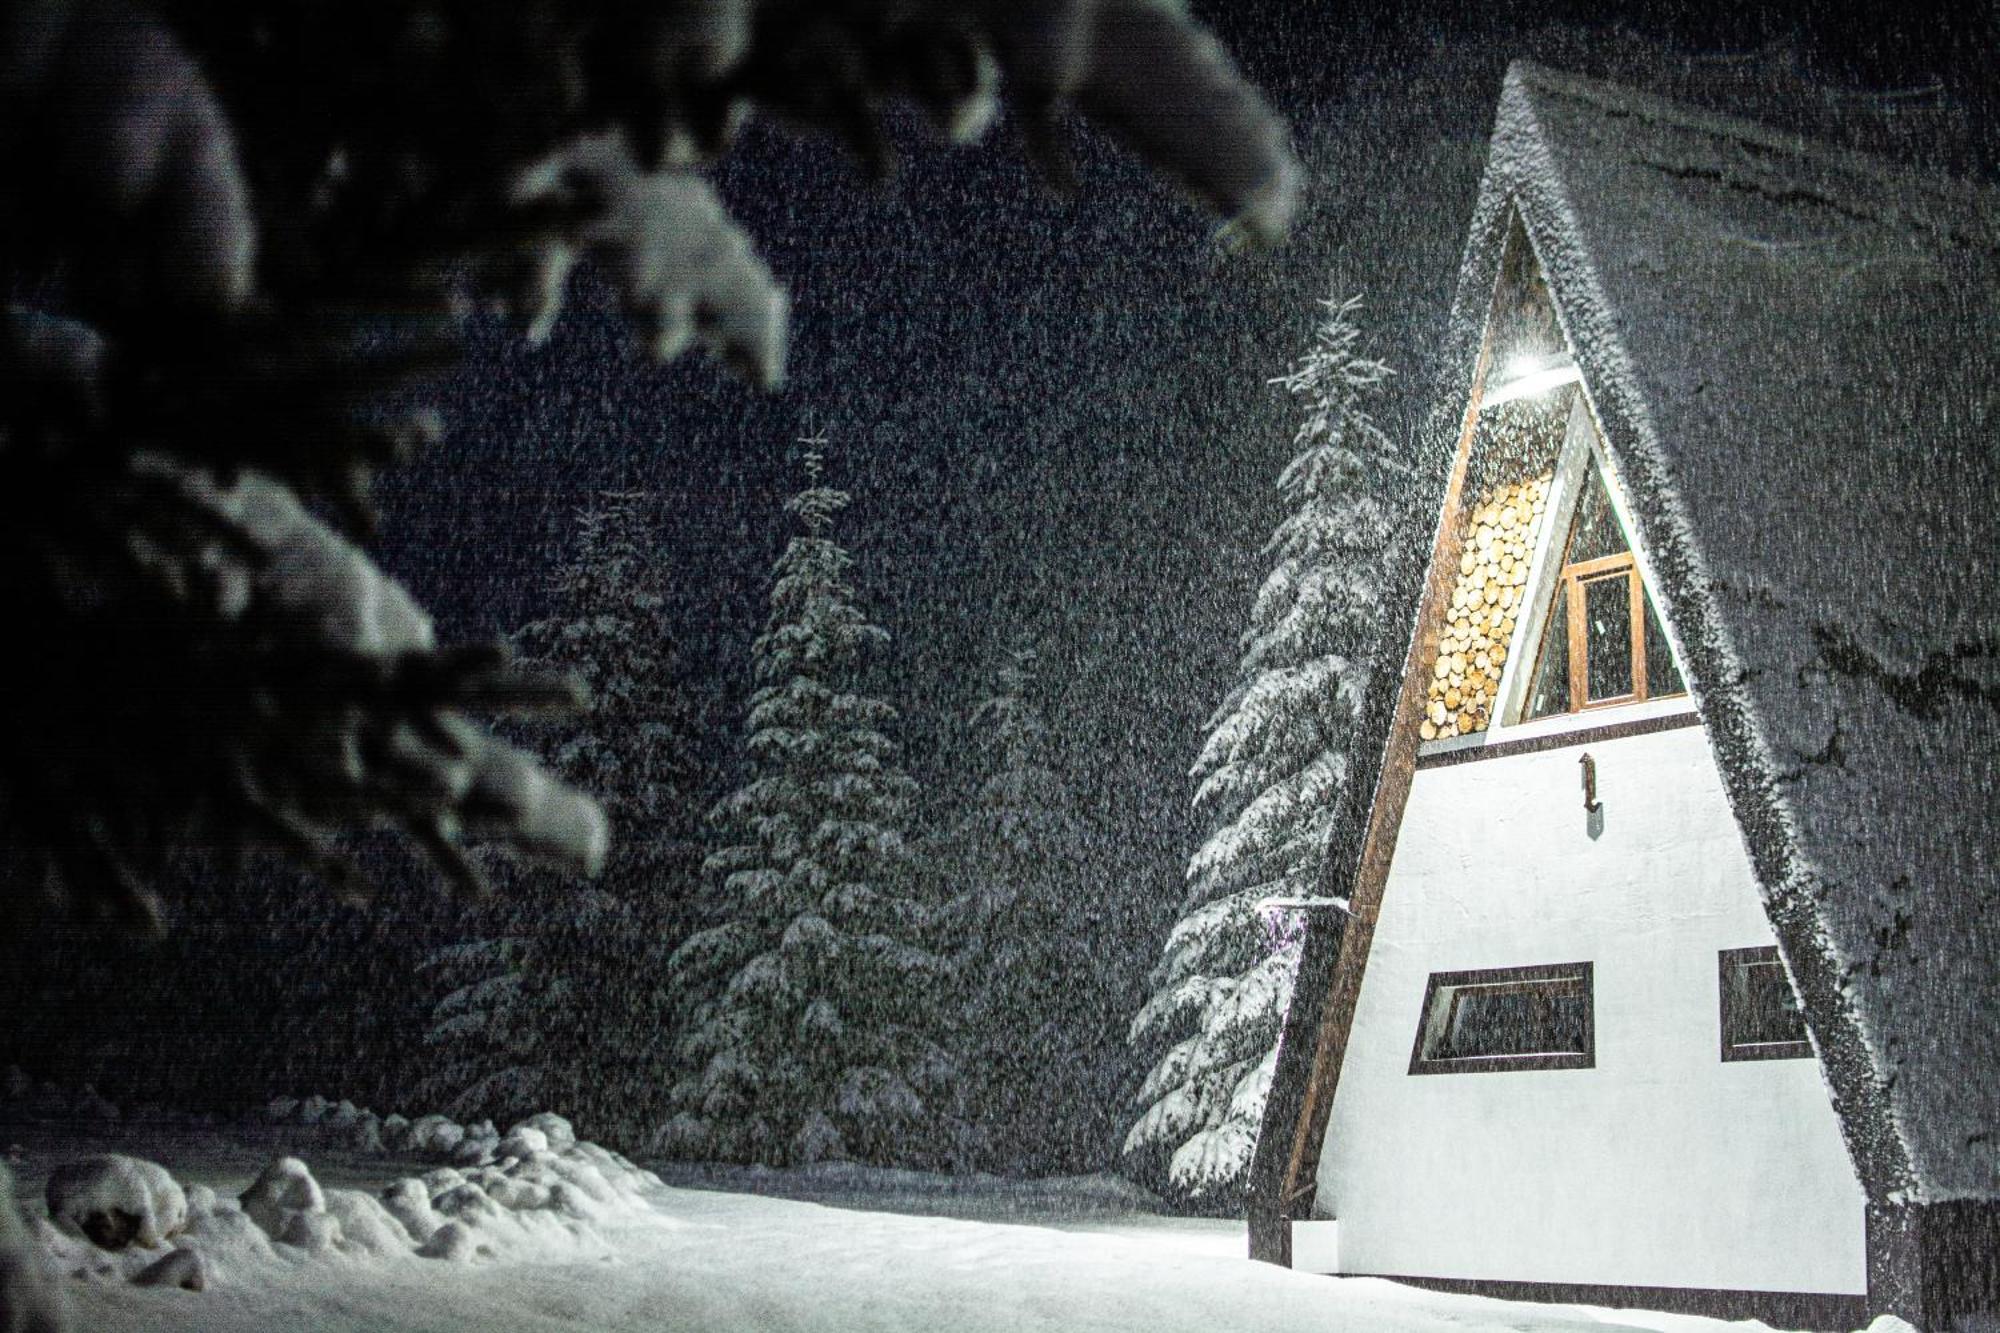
[{"x": 238, "y": 234}]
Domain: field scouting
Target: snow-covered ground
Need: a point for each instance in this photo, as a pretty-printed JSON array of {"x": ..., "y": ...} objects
[{"x": 870, "y": 1251}]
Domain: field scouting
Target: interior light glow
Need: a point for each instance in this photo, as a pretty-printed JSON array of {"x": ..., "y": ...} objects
[{"x": 1527, "y": 376}]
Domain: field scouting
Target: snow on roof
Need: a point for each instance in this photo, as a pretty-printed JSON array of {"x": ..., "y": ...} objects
[{"x": 1793, "y": 352}]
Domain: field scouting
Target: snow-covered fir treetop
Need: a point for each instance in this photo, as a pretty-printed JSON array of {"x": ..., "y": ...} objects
[
  {"x": 816, "y": 505},
  {"x": 815, "y": 626},
  {"x": 1018, "y": 731},
  {"x": 609, "y": 625},
  {"x": 1334, "y": 379},
  {"x": 1020, "y": 798}
]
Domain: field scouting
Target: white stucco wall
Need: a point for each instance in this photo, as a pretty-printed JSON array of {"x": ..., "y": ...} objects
[{"x": 1662, "y": 1166}]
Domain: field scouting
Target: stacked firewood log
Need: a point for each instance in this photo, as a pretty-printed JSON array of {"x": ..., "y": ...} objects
[{"x": 1479, "y": 622}]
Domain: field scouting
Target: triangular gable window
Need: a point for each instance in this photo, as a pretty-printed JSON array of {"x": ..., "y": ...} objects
[
  {"x": 1547, "y": 613},
  {"x": 1602, "y": 643}
]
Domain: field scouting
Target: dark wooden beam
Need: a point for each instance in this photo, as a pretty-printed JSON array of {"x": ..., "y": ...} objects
[{"x": 1612, "y": 731}]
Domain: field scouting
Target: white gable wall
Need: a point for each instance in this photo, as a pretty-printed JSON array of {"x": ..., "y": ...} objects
[{"x": 1662, "y": 1166}]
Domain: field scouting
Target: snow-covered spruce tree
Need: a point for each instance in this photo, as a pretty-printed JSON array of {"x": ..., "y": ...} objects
[
  {"x": 810, "y": 993},
  {"x": 566, "y": 1010},
  {"x": 1268, "y": 780},
  {"x": 1014, "y": 867},
  {"x": 636, "y": 745},
  {"x": 488, "y": 1055}
]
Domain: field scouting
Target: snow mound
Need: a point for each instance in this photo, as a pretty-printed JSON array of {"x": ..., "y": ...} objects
[
  {"x": 291, "y": 1208},
  {"x": 435, "y": 1134},
  {"x": 284, "y": 1190},
  {"x": 522, "y": 1142},
  {"x": 113, "y": 1216},
  {"x": 409, "y": 1202},
  {"x": 454, "y": 1243},
  {"x": 116, "y": 1201},
  {"x": 367, "y": 1225},
  {"x": 480, "y": 1145},
  {"x": 315, "y": 1233},
  {"x": 530, "y": 1196},
  {"x": 512, "y": 1196},
  {"x": 29, "y": 1302},
  {"x": 559, "y": 1132},
  {"x": 182, "y": 1268},
  {"x": 528, "y": 1202},
  {"x": 222, "y": 1231},
  {"x": 341, "y": 1124},
  {"x": 344, "y": 1125}
]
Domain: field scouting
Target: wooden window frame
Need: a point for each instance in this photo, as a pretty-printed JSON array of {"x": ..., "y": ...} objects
[
  {"x": 1727, "y": 962},
  {"x": 1576, "y": 580},
  {"x": 1571, "y": 582},
  {"x": 1508, "y": 978}
]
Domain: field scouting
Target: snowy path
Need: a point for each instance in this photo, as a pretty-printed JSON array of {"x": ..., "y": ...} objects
[{"x": 708, "y": 1259}]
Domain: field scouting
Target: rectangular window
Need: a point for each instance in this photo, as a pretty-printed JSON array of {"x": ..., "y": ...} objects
[
  {"x": 1760, "y": 1019},
  {"x": 1506, "y": 1018}
]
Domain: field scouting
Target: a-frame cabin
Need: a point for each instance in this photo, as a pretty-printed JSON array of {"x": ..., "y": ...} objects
[{"x": 1667, "y": 970}]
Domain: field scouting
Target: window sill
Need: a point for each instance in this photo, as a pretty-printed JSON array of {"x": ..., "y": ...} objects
[
  {"x": 1550, "y": 733},
  {"x": 1503, "y": 1064},
  {"x": 1768, "y": 1050}
]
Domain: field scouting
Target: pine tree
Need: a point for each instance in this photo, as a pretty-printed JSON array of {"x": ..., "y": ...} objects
[
  {"x": 1268, "y": 779},
  {"x": 1021, "y": 923},
  {"x": 568, "y": 1011},
  {"x": 636, "y": 746},
  {"x": 486, "y": 1031},
  {"x": 810, "y": 993}
]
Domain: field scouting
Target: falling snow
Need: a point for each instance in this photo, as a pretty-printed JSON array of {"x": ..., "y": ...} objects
[{"x": 936, "y": 894}]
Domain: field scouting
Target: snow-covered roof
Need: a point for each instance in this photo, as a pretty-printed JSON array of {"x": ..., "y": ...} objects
[{"x": 1792, "y": 352}]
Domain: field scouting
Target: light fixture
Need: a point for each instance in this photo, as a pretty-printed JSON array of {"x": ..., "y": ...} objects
[{"x": 1528, "y": 375}]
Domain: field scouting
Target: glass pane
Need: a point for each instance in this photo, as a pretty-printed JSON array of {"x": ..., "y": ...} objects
[
  {"x": 1518, "y": 1018},
  {"x": 1596, "y": 532},
  {"x": 1663, "y": 675},
  {"x": 1762, "y": 1011},
  {"x": 1607, "y": 630},
  {"x": 1551, "y": 691}
]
